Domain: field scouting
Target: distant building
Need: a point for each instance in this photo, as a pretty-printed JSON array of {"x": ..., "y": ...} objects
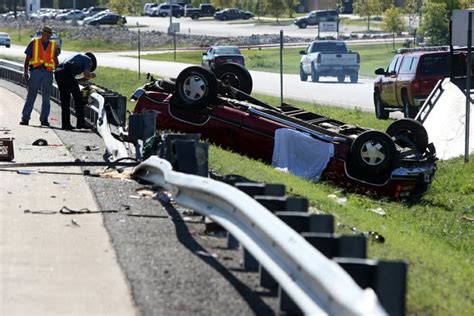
[
  {"x": 32, "y": 6},
  {"x": 311, "y": 5}
]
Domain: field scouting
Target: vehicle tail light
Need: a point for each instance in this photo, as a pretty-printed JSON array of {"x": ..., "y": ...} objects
[
  {"x": 318, "y": 59},
  {"x": 220, "y": 60},
  {"x": 415, "y": 87}
]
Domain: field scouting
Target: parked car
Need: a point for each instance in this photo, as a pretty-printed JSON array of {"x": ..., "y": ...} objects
[
  {"x": 164, "y": 10},
  {"x": 314, "y": 17},
  {"x": 95, "y": 16},
  {"x": 73, "y": 14},
  {"x": 218, "y": 55},
  {"x": 148, "y": 8},
  {"x": 204, "y": 9},
  {"x": 329, "y": 58},
  {"x": 410, "y": 77},
  {"x": 5, "y": 40},
  {"x": 91, "y": 11},
  {"x": 233, "y": 14},
  {"x": 397, "y": 163},
  {"x": 109, "y": 18}
]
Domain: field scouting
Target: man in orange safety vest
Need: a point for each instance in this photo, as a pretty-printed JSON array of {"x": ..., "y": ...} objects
[{"x": 40, "y": 62}]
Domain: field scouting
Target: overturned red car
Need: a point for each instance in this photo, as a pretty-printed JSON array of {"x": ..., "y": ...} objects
[{"x": 397, "y": 163}]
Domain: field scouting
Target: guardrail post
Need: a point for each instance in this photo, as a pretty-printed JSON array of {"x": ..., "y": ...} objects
[
  {"x": 255, "y": 189},
  {"x": 181, "y": 150},
  {"x": 386, "y": 278},
  {"x": 338, "y": 246},
  {"x": 321, "y": 223},
  {"x": 286, "y": 304}
]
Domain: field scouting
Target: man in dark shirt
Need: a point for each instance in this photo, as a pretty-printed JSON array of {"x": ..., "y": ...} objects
[
  {"x": 40, "y": 61},
  {"x": 80, "y": 65}
]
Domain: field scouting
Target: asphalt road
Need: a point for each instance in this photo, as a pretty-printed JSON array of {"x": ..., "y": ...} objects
[{"x": 326, "y": 92}]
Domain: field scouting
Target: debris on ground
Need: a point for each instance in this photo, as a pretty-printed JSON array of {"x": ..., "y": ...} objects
[
  {"x": 378, "y": 210},
  {"x": 115, "y": 174},
  {"x": 40, "y": 142},
  {"x": 146, "y": 193},
  {"x": 339, "y": 200}
]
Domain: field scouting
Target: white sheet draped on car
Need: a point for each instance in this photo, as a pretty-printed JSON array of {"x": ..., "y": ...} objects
[{"x": 301, "y": 154}]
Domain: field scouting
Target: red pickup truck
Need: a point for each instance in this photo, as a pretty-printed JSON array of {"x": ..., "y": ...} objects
[{"x": 410, "y": 77}]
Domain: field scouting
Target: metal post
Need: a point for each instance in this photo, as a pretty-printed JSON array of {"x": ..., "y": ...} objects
[
  {"x": 174, "y": 45},
  {"x": 258, "y": 10},
  {"x": 138, "y": 47},
  {"x": 74, "y": 22},
  {"x": 468, "y": 86},
  {"x": 281, "y": 66}
]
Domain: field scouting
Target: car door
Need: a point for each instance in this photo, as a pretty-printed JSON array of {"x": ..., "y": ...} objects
[
  {"x": 306, "y": 60},
  {"x": 388, "y": 93},
  {"x": 312, "y": 18},
  {"x": 233, "y": 14},
  {"x": 206, "y": 58}
]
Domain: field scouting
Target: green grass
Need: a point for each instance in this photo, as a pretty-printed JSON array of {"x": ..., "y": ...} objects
[
  {"x": 372, "y": 57},
  {"x": 434, "y": 234}
]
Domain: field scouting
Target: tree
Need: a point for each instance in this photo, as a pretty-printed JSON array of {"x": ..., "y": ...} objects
[
  {"x": 368, "y": 8},
  {"x": 222, "y": 4},
  {"x": 275, "y": 7},
  {"x": 392, "y": 22},
  {"x": 435, "y": 23},
  {"x": 290, "y": 6}
]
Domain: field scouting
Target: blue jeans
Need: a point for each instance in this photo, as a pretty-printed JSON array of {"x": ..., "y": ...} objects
[{"x": 39, "y": 78}]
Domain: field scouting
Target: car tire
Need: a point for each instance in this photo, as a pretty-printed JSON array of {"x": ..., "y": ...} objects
[
  {"x": 409, "y": 133},
  {"x": 354, "y": 78},
  {"x": 341, "y": 77},
  {"x": 314, "y": 74},
  {"x": 236, "y": 76},
  {"x": 380, "y": 112},
  {"x": 224, "y": 18},
  {"x": 302, "y": 25},
  {"x": 196, "y": 88},
  {"x": 303, "y": 75},
  {"x": 163, "y": 15},
  {"x": 8, "y": 46},
  {"x": 409, "y": 111},
  {"x": 195, "y": 16},
  {"x": 374, "y": 152}
]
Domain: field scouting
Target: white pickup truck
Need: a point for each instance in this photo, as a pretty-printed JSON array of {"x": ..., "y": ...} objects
[{"x": 329, "y": 59}]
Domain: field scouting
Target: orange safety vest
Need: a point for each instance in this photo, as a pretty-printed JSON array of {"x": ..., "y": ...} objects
[{"x": 43, "y": 57}]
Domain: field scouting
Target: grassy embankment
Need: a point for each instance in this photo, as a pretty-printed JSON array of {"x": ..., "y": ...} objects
[
  {"x": 372, "y": 56},
  {"x": 435, "y": 234}
]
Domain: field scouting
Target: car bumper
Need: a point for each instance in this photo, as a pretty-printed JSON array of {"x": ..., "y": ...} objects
[{"x": 336, "y": 69}]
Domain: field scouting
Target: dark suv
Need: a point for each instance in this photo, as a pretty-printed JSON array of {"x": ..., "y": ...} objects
[{"x": 314, "y": 17}]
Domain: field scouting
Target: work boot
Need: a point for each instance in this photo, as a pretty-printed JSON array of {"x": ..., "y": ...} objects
[
  {"x": 45, "y": 123},
  {"x": 24, "y": 122}
]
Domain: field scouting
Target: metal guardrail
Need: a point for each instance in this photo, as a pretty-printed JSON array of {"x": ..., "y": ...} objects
[{"x": 306, "y": 275}]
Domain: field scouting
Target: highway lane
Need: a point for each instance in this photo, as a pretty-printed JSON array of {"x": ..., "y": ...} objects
[{"x": 327, "y": 92}]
